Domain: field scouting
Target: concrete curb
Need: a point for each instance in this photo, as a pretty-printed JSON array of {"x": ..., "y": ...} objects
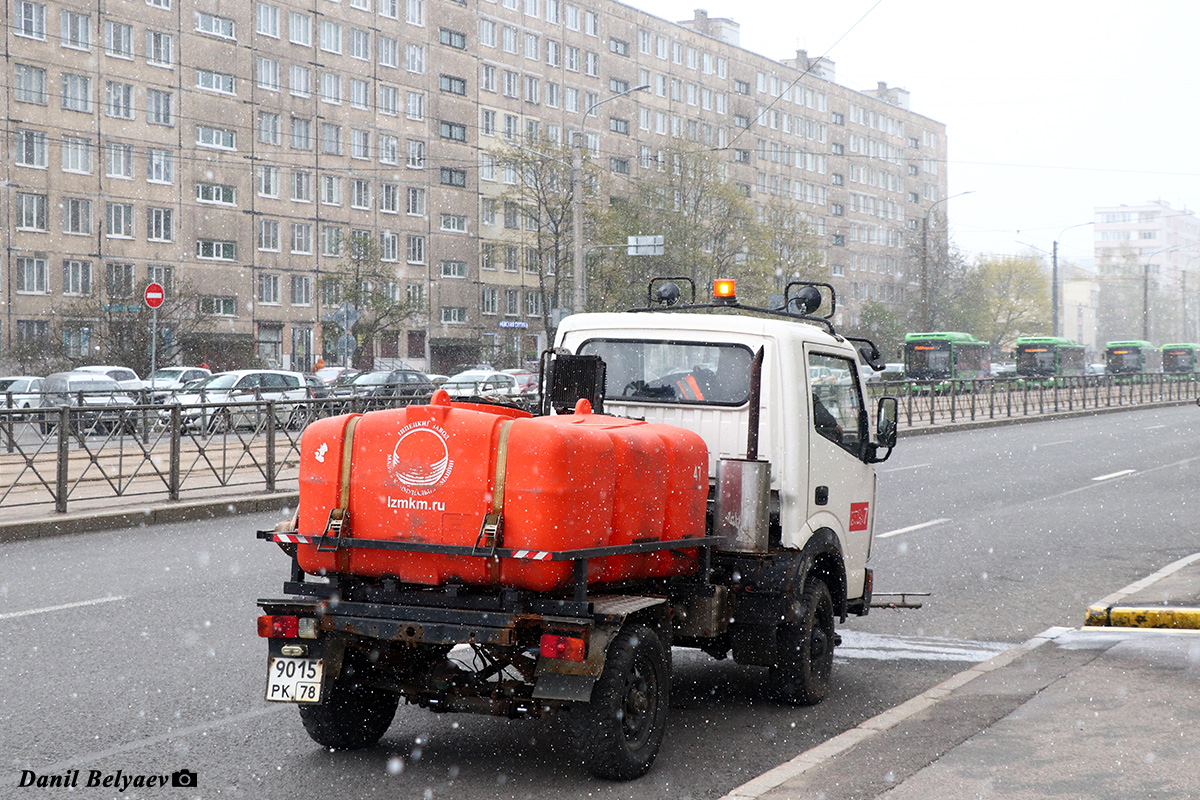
[
  {"x": 86, "y": 522},
  {"x": 876, "y": 725},
  {"x": 1113, "y": 612}
]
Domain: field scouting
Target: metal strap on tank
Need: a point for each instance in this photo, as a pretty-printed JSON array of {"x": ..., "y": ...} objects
[
  {"x": 338, "y": 516},
  {"x": 492, "y": 531}
]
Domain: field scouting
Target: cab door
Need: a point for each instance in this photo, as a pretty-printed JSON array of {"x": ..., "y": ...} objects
[{"x": 841, "y": 485}]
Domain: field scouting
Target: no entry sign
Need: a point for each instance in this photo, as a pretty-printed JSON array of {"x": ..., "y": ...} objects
[{"x": 154, "y": 295}]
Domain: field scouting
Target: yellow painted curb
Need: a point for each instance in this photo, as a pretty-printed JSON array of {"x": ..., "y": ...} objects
[{"x": 1176, "y": 617}]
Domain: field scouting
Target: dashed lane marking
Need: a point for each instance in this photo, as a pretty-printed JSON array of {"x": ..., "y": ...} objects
[
  {"x": 901, "y": 469},
  {"x": 912, "y": 528},
  {"x": 63, "y": 607},
  {"x": 1114, "y": 475}
]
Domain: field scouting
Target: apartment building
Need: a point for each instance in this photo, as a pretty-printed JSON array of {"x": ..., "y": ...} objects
[{"x": 236, "y": 146}]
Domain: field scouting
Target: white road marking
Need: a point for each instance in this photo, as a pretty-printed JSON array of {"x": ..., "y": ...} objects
[
  {"x": 884, "y": 647},
  {"x": 901, "y": 469},
  {"x": 910, "y": 528},
  {"x": 1060, "y": 441},
  {"x": 63, "y": 607},
  {"x": 1155, "y": 427},
  {"x": 1114, "y": 474}
]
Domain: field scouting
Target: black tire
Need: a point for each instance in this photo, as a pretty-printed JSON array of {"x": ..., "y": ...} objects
[
  {"x": 221, "y": 421},
  {"x": 804, "y": 649},
  {"x": 355, "y": 714},
  {"x": 618, "y": 734}
]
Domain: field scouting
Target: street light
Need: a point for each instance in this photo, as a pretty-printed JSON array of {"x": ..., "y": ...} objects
[
  {"x": 577, "y": 205},
  {"x": 926, "y": 322},
  {"x": 1054, "y": 275}
]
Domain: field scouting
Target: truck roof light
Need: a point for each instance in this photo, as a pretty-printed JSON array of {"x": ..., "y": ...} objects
[
  {"x": 565, "y": 648},
  {"x": 724, "y": 291},
  {"x": 276, "y": 626}
]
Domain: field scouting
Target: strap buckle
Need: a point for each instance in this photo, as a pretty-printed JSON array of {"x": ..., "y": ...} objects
[
  {"x": 333, "y": 530},
  {"x": 491, "y": 533}
]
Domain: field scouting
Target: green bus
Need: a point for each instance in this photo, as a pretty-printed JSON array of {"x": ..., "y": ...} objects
[
  {"x": 942, "y": 356},
  {"x": 1049, "y": 357},
  {"x": 1181, "y": 359},
  {"x": 1132, "y": 358}
]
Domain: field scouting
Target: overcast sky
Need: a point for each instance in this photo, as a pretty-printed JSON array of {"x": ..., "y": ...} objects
[{"x": 1051, "y": 107}]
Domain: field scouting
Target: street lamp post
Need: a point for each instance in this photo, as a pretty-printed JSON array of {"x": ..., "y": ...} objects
[
  {"x": 926, "y": 319},
  {"x": 577, "y": 204},
  {"x": 1054, "y": 276}
]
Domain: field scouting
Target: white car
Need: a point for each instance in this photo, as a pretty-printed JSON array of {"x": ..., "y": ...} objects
[
  {"x": 248, "y": 386},
  {"x": 483, "y": 383},
  {"x": 96, "y": 402},
  {"x": 26, "y": 391},
  {"x": 125, "y": 377},
  {"x": 162, "y": 383}
]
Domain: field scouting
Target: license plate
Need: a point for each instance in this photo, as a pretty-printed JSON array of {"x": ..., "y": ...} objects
[{"x": 294, "y": 680}]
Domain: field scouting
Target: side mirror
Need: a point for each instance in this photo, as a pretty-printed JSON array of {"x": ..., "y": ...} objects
[{"x": 888, "y": 413}]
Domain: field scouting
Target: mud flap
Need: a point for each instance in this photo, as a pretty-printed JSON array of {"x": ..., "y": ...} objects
[{"x": 555, "y": 686}]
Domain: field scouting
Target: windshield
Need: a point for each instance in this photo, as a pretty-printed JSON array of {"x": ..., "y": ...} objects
[
  {"x": 1173, "y": 361},
  {"x": 93, "y": 385},
  {"x": 370, "y": 379},
  {"x": 166, "y": 374},
  {"x": 1035, "y": 360},
  {"x": 674, "y": 372},
  {"x": 12, "y": 385},
  {"x": 927, "y": 360},
  {"x": 1124, "y": 359}
]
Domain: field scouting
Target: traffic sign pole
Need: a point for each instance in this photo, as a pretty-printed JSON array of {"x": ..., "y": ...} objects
[{"x": 154, "y": 296}]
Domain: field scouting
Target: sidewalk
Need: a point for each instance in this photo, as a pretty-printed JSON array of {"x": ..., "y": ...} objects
[{"x": 1104, "y": 711}]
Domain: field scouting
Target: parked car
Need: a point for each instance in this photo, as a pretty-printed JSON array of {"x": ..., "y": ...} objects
[
  {"x": 890, "y": 372},
  {"x": 527, "y": 382},
  {"x": 386, "y": 383},
  {"x": 330, "y": 375},
  {"x": 162, "y": 383},
  {"x": 127, "y": 378},
  {"x": 248, "y": 386},
  {"x": 482, "y": 383},
  {"x": 26, "y": 391},
  {"x": 1096, "y": 369},
  {"x": 96, "y": 401},
  {"x": 1003, "y": 370},
  {"x": 316, "y": 387}
]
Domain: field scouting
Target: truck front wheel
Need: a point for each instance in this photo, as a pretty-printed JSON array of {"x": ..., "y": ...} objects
[
  {"x": 804, "y": 655},
  {"x": 619, "y": 732},
  {"x": 355, "y": 714}
]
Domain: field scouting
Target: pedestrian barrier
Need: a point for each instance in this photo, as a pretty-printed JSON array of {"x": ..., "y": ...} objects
[{"x": 92, "y": 451}]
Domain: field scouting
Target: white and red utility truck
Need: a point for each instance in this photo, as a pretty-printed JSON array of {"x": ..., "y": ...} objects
[{"x": 699, "y": 475}]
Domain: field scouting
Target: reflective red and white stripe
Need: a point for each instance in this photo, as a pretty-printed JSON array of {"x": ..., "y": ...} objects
[
  {"x": 533, "y": 555},
  {"x": 292, "y": 538}
]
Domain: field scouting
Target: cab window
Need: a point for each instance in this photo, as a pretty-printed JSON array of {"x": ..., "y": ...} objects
[{"x": 836, "y": 402}]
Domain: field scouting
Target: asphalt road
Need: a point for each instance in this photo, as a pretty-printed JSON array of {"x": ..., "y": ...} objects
[{"x": 159, "y": 667}]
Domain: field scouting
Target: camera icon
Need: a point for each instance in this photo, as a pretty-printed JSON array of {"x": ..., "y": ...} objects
[{"x": 183, "y": 779}]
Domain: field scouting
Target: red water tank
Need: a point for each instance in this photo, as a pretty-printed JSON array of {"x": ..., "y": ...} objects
[{"x": 428, "y": 473}]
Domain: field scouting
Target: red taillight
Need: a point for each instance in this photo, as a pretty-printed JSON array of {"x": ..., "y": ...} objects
[
  {"x": 271, "y": 626},
  {"x": 566, "y": 648}
]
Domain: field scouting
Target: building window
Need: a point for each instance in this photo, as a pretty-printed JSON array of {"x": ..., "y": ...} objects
[
  {"x": 158, "y": 108},
  {"x": 389, "y": 149},
  {"x": 414, "y": 106},
  {"x": 216, "y": 250},
  {"x": 32, "y": 212},
  {"x": 416, "y": 202},
  {"x": 453, "y": 131},
  {"x": 301, "y": 290},
  {"x": 331, "y": 88},
  {"x": 120, "y": 221},
  {"x": 30, "y": 149},
  {"x": 416, "y": 154},
  {"x": 77, "y": 278},
  {"x": 389, "y": 246},
  {"x": 29, "y": 84},
  {"x": 453, "y": 38},
  {"x": 331, "y": 241},
  {"x": 76, "y": 30},
  {"x": 214, "y": 25},
  {"x": 360, "y": 194},
  {"x": 118, "y": 100},
  {"x": 268, "y": 128},
  {"x": 300, "y": 137},
  {"x": 214, "y": 306},
  {"x": 30, "y": 20},
  {"x": 31, "y": 278},
  {"x": 267, "y": 20},
  {"x": 300, "y": 81},
  {"x": 301, "y": 186},
  {"x": 454, "y": 315},
  {"x": 268, "y": 288},
  {"x": 416, "y": 249},
  {"x": 454, "y": 222},
  {"x": 118, "y": 40},
  {"x": 217, "y": 193},
  {"x": 220, "y": 138},
  {"x": 302, "y": 238},
  {"x": 118, "y": 280},
  {"x": 331, "y": 190},
  {"x": 118, "y": 160},
  {"x": 160, "y": 224},
  {"x": 360, "y": 44},
  {"x": 490, "y": 302},
  {"x": 389, "y": 51},
  {"x": 268, "y": 181},
  {"x": 77, "y": 216},
  {"x": 76, "y": 92},
  {"x": 159, "y": 48},
  {"x": 454, "y": 269},
  {"x": 453, "y": 177},
  {"x": 77, "y": 155},
  {"x": 268, "y": 235},
  {"x": 212, "y": 81},
  {"x": 389, "y": 100},
  {"x": 360, "y": 144},
  {"x": 331, "y": 36},
  {"x": 389, "y": 198},
  {"x": 453, "y": 85}
]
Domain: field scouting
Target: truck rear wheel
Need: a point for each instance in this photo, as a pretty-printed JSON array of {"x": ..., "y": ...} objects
[
  {"x": 804, "y": 655},
  {"x": 354, "y": 714},
  {"x": 619, "y": 732}
]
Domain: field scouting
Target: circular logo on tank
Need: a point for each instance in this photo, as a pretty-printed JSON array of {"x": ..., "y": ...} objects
[{"x": 420, "y": 461}]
